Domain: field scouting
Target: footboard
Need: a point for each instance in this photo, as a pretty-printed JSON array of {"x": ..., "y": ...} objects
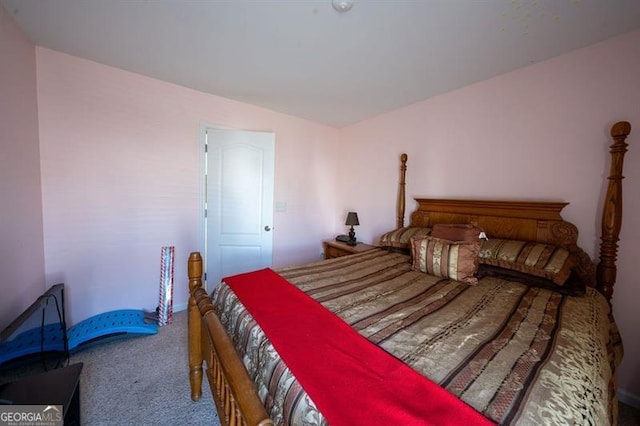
[{"x": 233, "y": 391}]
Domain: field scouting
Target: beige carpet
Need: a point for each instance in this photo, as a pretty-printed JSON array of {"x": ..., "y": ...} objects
[{"x": 142, "y": 381}]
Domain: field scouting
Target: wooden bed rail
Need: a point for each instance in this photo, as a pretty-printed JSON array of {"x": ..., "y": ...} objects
[{"x": 233, "y": 390}]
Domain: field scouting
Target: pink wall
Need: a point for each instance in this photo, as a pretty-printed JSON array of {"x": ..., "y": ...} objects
[
  {"x": 121, "y": 173},
  {"x": 540, "y": 132},
  {"x": 21, "y": 251}
]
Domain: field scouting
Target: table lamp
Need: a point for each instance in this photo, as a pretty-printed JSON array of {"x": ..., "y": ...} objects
[{"x": 352, "y": 220}]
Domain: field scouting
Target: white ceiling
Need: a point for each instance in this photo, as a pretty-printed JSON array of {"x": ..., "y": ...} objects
[{"x": 303, "y": 58}]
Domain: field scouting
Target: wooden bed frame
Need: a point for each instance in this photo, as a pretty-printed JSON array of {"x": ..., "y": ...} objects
[{"x": 233, "y": 391}]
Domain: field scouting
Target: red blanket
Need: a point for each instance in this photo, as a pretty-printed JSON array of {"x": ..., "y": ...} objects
[{"x": 351, "y": 380}]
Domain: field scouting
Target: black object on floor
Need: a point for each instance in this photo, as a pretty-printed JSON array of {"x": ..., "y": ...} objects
[{"x": 56, "y": 387}]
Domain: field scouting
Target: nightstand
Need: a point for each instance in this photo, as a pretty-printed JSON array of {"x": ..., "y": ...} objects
[{"x": 334, "y": 248}]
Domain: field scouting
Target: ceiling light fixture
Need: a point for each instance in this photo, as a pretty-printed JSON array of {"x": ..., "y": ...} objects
[{"x": 342, "y": 5}]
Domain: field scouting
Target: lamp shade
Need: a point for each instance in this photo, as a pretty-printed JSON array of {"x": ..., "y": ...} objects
[{"x": 352, "y": 219}]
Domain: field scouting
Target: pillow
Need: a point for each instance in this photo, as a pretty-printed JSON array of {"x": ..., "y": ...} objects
[
  {"x": 572, "y": 287},
  {"x": 446, "y": 259},
  {"x": 456, "y": 232},
  {"x": 399, "y": 239},
  {"x": 541, "y": 260}
]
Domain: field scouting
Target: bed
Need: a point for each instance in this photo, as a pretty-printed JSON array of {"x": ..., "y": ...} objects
[{"x": 516, "y": 348}]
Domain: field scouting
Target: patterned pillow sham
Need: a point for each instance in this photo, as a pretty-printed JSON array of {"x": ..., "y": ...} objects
[
  {"x": 541, "y": 260},
  {"x": 456, "y": 232},
  {"x": 446, "y": 259},
  {"x": 400, "y": 239}
]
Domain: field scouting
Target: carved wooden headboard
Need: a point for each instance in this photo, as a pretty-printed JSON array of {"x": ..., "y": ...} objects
[
  {"x": 518, "y": 220},
  {"x": 538, "y": 221}
]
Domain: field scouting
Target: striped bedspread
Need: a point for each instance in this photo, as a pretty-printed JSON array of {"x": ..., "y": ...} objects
[{"x": 518, "y": 354}]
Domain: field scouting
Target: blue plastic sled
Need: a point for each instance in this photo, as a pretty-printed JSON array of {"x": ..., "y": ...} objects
[{"x": 121, "y": 323}]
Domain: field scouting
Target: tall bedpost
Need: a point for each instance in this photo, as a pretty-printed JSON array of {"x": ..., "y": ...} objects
[
  {"x": 612, "y": 212},
  {"x": 195, "y": 327},
  {"x": 401, "y": 191}
]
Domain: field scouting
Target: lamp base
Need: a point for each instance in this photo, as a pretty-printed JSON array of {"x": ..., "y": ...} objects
[{"x": 352, "y": 237}]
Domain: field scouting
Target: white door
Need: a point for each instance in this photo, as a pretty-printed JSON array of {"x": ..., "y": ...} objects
[{"x": 239, "y": 202}]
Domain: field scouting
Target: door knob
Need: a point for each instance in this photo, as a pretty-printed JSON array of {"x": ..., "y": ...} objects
[{"x": 267, "y": 228}]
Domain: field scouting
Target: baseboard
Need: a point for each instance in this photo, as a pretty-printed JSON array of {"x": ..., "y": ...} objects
[
  {"x": 180, "y": 307},
  {"x": 629, "y": 399}
]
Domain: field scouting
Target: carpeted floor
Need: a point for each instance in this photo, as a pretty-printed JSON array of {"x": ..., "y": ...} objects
[
  {"x": 145, "y": 381},
  {"x": 142, "y": 380},
  {"x": 134, "y": 380}
]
